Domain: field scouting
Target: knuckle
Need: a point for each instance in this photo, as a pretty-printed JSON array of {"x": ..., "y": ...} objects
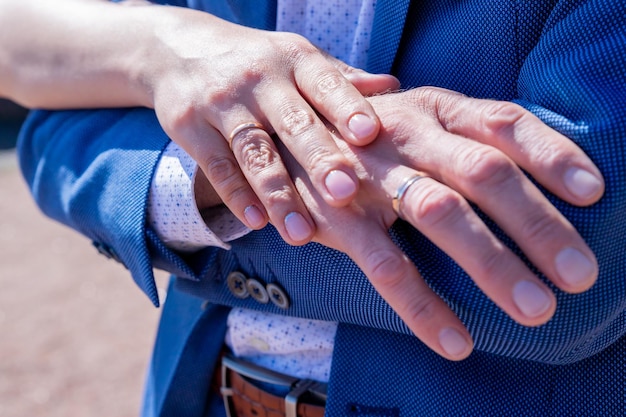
[
  {"x": 431, "y": 99},
  {"x": 343, "y": 67},
  {"x": 277, "y": 196},
  {"x": 318, "y": 158},
  {"x": 295, "y": 121},
  {"x": 499, "y": 115},
  {"x": 439, "y": 206},
  {"x": 328, "y": 84},
  {"x": 547, "y": 155},
  {"x": 296, "y": 48},
  {"x": 509, "y": 121},
  {"x": 485, "y": 166},
  {"x": 539, "y": 228},
  {"x": 422, "y": 309},
  {"x": 223, "y": 174},
  {"x": 491, "y": 267},
  {"x": 254, "y": 73},
  {"x": 179, "y": 120},
  {"x": 424, "y": 94},
  {"x": 227, "y": 91},
  {"x": 256, "y": 155},
  {"x": 220, "y": 168},
  {"x": 237, "y": 191},
  {"x": 386, "y": 269},
  {"x": 221, "y": 97}
]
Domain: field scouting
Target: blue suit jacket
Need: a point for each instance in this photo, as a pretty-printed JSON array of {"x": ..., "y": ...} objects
[{"x": 563, "y": 60}]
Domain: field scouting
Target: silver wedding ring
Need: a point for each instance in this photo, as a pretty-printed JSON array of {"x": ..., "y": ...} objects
[
  {"x": 396, "y": 202},
  {"x": 242, "y": 128}
]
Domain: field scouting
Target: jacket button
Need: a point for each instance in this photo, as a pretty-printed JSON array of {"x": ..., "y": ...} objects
[
  {"x": 257, "y": 291},
  {"x": 236, "y": 282},
  {"x": 107, "y": 251},
  {"x": 278, "y": 296}
]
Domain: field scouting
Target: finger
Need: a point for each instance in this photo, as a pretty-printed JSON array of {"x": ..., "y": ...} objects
[
  {"x": 446, "y": 218},
  {"x": 332, "y": 95},
  {"x": 367, "y": 84},
  {"x": 388, "y": 269},
  {"x": 400, "y": 284},
  {"x": 489, "y": 178},
  {"x": 309, "y": 141},
  {"x": 370, "y": 84},
  {"x": 208, "y": 147},
  {"x": 551, "y": 158},
  {"x": 262, "y": 166}
]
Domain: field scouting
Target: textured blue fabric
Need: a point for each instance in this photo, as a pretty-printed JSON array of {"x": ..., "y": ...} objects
[
  {"x": 387, "y": 30},
  {"x": 253, "y": 13},
  {"x": 417, "y": 382},
  {"x": 563, "y": 60},
  {"x": 193, "y": 330},
  {"x": 79, "y": 180}
]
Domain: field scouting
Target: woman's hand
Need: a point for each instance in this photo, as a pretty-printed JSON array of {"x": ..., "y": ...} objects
[
  {"x": 462, "y": 150},
  {"x": 221, "y": 90}
]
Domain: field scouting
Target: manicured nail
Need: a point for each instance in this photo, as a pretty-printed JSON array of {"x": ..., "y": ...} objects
[
  {"x": 362, "y": 126},
  {"x": 297, "y": 227},
  {"x": 582, "y": 183},
  {"x": 254, "y": 217},
  {"x": 531, "y": 299},
  {"x": 453, "y": 342},
  {"x": 340, "y": 185},
  {"x": 574, "y": 267}
]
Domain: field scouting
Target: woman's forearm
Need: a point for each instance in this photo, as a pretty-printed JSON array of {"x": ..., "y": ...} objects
[{"x": 75, "y": 53}]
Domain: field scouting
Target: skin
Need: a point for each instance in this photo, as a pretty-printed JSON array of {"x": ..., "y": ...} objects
[
  {"x": 468, "y": 150},
  {"x": 205, "y": 76}
]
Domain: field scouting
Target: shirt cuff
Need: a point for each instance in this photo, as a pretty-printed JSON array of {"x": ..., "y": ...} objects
[{"x": 173, "y": 213}]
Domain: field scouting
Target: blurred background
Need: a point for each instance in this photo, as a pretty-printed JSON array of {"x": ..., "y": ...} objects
[{"x": 75, "y": 331}]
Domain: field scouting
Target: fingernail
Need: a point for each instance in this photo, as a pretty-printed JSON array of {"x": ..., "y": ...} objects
[
  {"x": 362, "y": 126},
  {"x": 531, "y": 299},
  {"x": 297, "y": 227},
  {"x": 254, "y": 217},
  {"x": 582, "y": 183},
  {"x": 574, "y": 267},
  {"x": 453, "y": 342},
  {"x": 340, "y": 185}
]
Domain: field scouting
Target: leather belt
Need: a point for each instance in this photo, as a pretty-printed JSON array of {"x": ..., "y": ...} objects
[{"x": 243, "y": 398}]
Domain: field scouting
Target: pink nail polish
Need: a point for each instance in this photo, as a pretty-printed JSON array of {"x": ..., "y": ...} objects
[
  {"x": 340, "y": 185},
  {"x": 582, "y": 183},
  {"x": 531, "y": 299},
  {"x": 362, "y": 126},
  {"x": 254, "y": 217},
  {"x": 453, "y": 342},
  {"x": 297, "y": 227},
  {"x": 575, "y": 268}
]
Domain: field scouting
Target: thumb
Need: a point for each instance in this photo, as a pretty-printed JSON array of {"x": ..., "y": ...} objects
[{"x": 368, "y": 84}]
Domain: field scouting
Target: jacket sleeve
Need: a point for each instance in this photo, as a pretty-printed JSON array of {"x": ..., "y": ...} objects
[
  {"x": 91, "y": 170},
  {"x": 573, "y": 77},
  {"x": 575, "y": 80}
]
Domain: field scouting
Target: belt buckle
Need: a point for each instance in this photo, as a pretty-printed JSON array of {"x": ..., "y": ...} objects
[{"x": 258, "y": 373}]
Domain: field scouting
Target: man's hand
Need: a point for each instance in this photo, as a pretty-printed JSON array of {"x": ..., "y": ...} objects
[{"x": 469, "y": 150}]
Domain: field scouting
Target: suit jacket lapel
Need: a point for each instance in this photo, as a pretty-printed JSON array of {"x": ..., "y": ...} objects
[
  {"x": 260, "y": 14},
  {"x": 386, "y": 33}
]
